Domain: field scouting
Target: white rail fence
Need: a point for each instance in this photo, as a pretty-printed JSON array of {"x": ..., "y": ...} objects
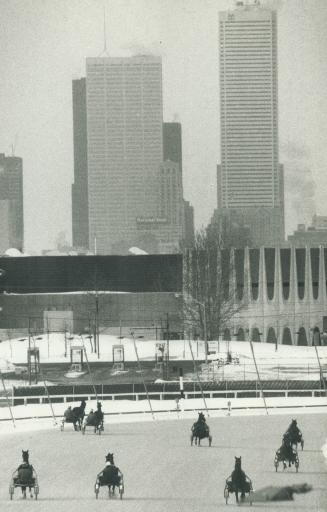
[{"x": 166, "y": 395}]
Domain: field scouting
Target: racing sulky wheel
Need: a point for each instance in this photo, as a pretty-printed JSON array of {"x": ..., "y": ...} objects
[
  {"x": 297, "y": 464},
  {"x": 276, "y": 463},
  {"x": 121, "y": 490},
  {"x": 226, "y": 494}
]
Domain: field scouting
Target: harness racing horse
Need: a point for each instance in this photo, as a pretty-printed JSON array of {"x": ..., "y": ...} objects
[
  {"x": 200, "y": 430},
  {"x": 74, "y": 416},
  {"x": 287, "y": 453},
  {"x": 110, "y": 476},
  {"x": 24, "y": 477},
  {"x": 295, "y": 434},
  {"x": 238, "y": 482},
  {"x": 94, "y": 419}
]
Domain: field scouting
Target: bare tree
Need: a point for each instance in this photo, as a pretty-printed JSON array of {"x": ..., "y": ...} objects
[{"x": 210, "y": 298}]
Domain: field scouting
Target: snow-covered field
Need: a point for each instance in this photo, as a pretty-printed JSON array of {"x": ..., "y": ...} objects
[{"x": 288, "y": 362}]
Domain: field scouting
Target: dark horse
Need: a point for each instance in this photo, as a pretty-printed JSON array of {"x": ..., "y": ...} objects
[
  {"x": 294, "y": 434},
  {"x": 286, "y": 453},
  {"x": 110, "y": 476},
  {"x": 25, "y": 475},
  {"x": 74, "y": 416},
  {"x": 200, "y": 430},
  {"x": 238, "y": 482},
  {"x": 94, "y": 419}
]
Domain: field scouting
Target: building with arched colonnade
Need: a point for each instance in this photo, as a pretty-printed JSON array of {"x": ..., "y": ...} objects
[{"x": 283, "y": 295}]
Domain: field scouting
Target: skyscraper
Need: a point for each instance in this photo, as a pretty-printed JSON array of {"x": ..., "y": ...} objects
[
  {"x": 249, "y": 177},
  {"x": 172, "y": 143},
  {"x": 80, "y": 217},
  {"x": 11, "y": 203},
  {"x": 124, "y": 147}
]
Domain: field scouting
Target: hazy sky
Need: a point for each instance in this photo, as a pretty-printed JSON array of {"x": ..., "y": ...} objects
[{"x": 43, "y": 45}]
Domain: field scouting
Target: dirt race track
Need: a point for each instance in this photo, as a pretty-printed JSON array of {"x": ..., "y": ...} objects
[{"x": 162, "y": 471}]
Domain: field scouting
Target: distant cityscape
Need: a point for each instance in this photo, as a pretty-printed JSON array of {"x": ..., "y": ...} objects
[
  {"x": 127, "y": 195},
  {"x": 235, "y": 276}
]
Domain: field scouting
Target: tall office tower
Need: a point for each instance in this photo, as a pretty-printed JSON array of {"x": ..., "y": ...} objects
[
  {"x": 172, "y": 143},
  {"x": 11, "y": 203},
  {"x": 189, "y": 224},
  {"x": 249, "y": 178},
  {"x": 124, "y": 135},
  {"x": 172, "y": 150},
  {"x": 170, "y": 233},
  {"x": 80, "y": 218}
]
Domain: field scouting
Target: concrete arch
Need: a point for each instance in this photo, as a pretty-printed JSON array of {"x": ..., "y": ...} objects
[
  {"x": 227, "y": 335},
  {"x": 302, "y": 339},
  {"x": 316, "y": 336},
  {"x": 240, "y": 334},
  {"x": 287, "y": 336},
  {"x": 271, "y": 335},
  {"x": 255, "y": 334}
]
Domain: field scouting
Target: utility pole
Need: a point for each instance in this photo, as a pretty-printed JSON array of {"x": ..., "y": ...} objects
[
  {"x": 257, "y": 370},
  {"x": 322, "y": 380},
  {"x": 97, "y": 340},
  {"x": 198, "y": 377},
  {"x": 29, "y": 352},
  {"x": 142, "y": 375},
  {"x": 205, "y": 334}
]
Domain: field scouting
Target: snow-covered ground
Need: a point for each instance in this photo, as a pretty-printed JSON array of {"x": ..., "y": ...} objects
[
  {"x": 288, "y": 362},
  {"x": 162, "y": 471}
]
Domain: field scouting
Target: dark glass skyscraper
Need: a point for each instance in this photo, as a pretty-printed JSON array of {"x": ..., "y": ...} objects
[
  {"x": 80, "y": 219},
  {"x": 11, "y": 203},
  {"x": 172, "y": 143}
]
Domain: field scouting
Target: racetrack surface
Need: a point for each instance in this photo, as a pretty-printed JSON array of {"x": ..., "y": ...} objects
[{"x": 162, "y": 471}]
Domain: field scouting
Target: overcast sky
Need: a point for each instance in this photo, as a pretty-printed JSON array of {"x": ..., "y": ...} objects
[{"x": 43, "y": 45}]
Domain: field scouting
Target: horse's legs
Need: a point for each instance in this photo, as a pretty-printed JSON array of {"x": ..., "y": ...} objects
[{"x": 31, "y": 491}]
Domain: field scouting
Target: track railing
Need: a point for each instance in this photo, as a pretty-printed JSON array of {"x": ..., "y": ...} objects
[{"x": 162, "y": 395}]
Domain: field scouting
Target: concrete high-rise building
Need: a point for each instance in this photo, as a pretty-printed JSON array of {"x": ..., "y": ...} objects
[
  {"x": 11, "y": 203},
  {"x": 80, "y": 217},
  {"x": 124, "y": 148},
  {"x": 250, "y": 176}
]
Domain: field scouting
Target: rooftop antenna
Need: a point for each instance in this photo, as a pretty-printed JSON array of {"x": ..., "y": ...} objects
[
  {"x": 13, "y": 145},
  {"x": 104, "y": 29},
  {"x": 105, "y": 50}
]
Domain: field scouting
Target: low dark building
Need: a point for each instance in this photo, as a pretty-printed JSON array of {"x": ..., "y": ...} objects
[{"x": 59, "y": 293}]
